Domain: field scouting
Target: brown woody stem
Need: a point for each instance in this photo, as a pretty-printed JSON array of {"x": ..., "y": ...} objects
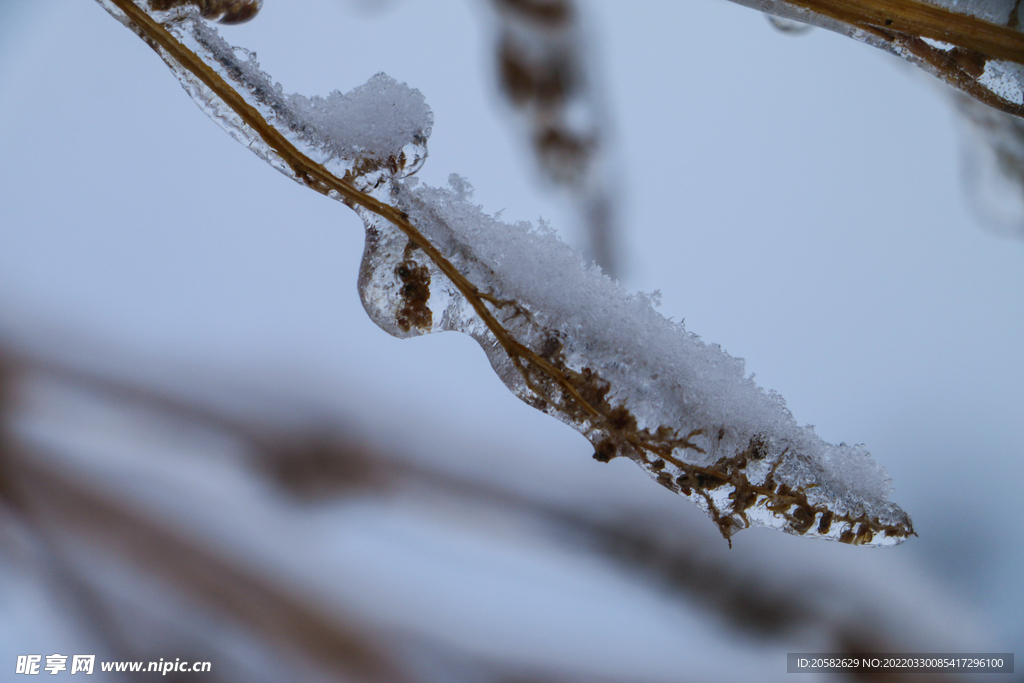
[
  {"x": 925, "y": 20},
  {"x": 316, "y": 177}
]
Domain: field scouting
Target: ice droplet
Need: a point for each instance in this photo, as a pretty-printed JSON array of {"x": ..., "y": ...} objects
[{"x": 788, "y": 26}]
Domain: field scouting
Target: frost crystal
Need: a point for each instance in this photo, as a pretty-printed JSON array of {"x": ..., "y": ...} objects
[
  {"x": 561, "y": 335},
  {"x": 376, "y": 120}
]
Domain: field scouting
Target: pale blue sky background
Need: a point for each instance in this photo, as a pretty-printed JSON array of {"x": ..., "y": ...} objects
[{"x": 796, "y": 200}]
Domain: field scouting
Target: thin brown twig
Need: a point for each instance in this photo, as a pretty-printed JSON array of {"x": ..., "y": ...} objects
[
  {"x": 922, "y": 19},
  {"x": 318, "y": 178},
  {"x": 585, "y": 395},
  {"x": 959, "y": 67}
]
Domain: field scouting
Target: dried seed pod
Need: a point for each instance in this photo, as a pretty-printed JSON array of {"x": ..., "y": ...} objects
[
  {"x": 223, "y": 11},
  {"x": 231, "y": 11}
]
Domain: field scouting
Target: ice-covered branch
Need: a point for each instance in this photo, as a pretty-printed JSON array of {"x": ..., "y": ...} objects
[
  {"x": 561, "y": 335},
  {"x": 975, "y": 46}
]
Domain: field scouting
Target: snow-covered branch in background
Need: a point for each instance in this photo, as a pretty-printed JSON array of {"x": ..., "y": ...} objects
[{"x": 561, "y": 335}]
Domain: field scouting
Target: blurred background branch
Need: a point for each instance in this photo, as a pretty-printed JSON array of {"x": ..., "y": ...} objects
[
  {"x": 149, "y": 580},
  {"x": 547, "y": 73}
]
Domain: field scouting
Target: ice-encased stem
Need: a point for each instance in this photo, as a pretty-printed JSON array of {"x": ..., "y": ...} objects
[
  {"x": 760, "y": 469},
  {"x": 915, "y": 18},
  {"x": 316, "y": 177},
  {"x": 970, "y": 53}
]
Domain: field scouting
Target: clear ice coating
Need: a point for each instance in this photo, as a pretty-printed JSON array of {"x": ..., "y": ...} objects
[
  {"x": 561, "y": 335},
  {"x": 378, "y": 130},
  {"x": 572, "y": 343}
]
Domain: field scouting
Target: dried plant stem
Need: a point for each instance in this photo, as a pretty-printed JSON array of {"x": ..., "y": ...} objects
[
  {"x": 580, "y": 397},
  {"x": 318, "y": 178},
  {"x": 958, "y": 67},
  {"x": 925, "y": 20}
]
